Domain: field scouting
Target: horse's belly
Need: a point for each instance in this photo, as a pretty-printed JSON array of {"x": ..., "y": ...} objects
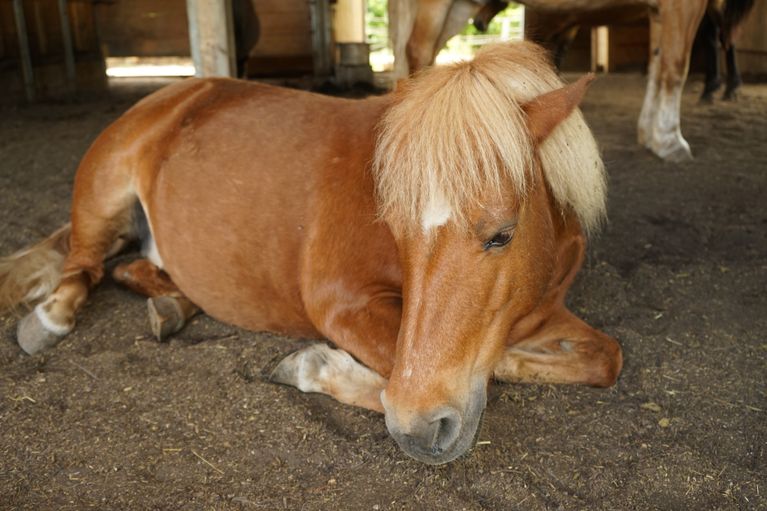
[{"x": 230, "y": 237}]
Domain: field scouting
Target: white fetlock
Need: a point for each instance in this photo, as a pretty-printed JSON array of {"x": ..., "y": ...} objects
[{"x": 320, "y": 368}]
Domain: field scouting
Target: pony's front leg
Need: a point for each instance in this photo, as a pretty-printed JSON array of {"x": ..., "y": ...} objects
[
  {"x": 564, "y": 349},
  {"x": 368, "y": 332},
  {"x": 320, "y": 368},
  {"x": 679, "y": 21}
]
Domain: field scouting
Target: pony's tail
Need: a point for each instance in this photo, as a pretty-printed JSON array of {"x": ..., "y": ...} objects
[
  {"x": 33, "y": 273},
  {"x": 401, "y": 20}
]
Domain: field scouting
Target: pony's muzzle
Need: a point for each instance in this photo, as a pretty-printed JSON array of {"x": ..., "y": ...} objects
[{"x": 436, "y": 436}]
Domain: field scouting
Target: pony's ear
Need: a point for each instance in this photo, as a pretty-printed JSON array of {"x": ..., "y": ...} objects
[{"x": 545, "y": 112}]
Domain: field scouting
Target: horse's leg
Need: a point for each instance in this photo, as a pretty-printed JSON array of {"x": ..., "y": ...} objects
[
  {"x": 733, "y": 75},
  {"x": 679, "y": 22},
  {"x": 368, "y": 330},
  {"x": 401, "y": 21},
  {"x": 320, "y": 368},
  {"x": 563, "y": 40},
  {"x": 552, "y": 345},
  {"x": 650, "y": 104},
  {"x": 429, "y": 23},
  {"x": 486, "y": 14},
  {"x": 168, "y": 308},
  {"x": 102, "y": 219},
  {"x": 457, "y": 18},
  {"x": 563, "y": 350},
  {"x": 710, "y": 36}
]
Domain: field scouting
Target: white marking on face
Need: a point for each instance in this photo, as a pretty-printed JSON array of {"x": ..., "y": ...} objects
[
  {"x": 436, "y": 213},
  {"x": 48, "y": 323}
]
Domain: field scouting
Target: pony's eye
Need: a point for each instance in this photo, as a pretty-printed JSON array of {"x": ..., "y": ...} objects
[{"x": 499, "y": 240}]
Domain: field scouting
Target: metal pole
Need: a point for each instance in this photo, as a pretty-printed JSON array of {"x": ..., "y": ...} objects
[
  {"x": 69, "y": 51},
  {"x": 24, "y": 54}
]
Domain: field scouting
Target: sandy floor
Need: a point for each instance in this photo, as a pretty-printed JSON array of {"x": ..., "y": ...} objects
[{"x": 110, "y": 419}]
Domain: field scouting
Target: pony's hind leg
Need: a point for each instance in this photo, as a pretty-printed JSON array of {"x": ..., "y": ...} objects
[
  {"x": 102, "y": 223},
  {"x": 168, "y": 308}
]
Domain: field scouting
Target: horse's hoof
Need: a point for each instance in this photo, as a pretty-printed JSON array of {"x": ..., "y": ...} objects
[
  {"x": 165, "y": 316},
  {"x": 730, "y": 95},
  {"x": 707, "y": 98},
  {"x": 678, "y": 155},
  {"x": 32, "y": 335},
  {"x": 304, "y": 368}
]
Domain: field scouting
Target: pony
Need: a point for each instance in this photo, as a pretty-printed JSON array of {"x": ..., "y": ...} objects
[
  {"x": 430, "y": 234},
  {"x": 418, "y": 29}
]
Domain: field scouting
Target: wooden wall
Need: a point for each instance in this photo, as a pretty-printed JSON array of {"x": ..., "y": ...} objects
[
  {"x": 285, "y": 38},
  {"x": 751, "y": 43},
  {"x": 47, "y": 48},
  {"x": 143, "y": 28}
]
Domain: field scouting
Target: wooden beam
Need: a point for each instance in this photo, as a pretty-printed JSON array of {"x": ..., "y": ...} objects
[
  {"x": 211, "y": 37},
  {"x": 24, "y": 53}
]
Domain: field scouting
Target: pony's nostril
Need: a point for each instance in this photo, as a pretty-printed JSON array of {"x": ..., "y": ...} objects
[{"x": 446, "y": 428}]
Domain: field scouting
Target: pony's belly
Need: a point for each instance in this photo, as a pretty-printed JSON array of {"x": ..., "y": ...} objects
[
  {"x": 209, "y": 270},
  {"x": 231, "y": 247}
]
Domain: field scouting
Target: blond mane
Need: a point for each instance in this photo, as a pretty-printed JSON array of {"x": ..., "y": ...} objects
[{"x": 458, "y": 132}]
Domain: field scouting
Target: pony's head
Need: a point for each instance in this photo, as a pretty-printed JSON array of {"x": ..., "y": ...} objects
[{"x": 473, "y": 163}]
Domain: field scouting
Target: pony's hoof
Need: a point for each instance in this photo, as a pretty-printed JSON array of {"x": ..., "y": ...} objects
[
  {"x": 304, "y": 368},
  {"x": 32, "y": 335},
  {"x": 730, "y": 95},
  {"x": 165, "y": 316}
]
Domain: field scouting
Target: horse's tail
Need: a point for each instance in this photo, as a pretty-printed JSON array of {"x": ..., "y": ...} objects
[
  {"x": 734, "y": 13},
  {"x": 33, "y": 273},
  {"x": 401, "y": 20}
]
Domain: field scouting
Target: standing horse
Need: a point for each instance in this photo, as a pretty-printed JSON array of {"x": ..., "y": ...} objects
[
  {"x": 420, "y": 28},
  {"x": 719, "y": 25},
  {"x": 431, "y": 234}
]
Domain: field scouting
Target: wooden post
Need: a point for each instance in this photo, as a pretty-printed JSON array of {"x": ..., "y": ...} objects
[
  {"x": 321, "y": 38},
  {"x": 69, "y": 52},
  {"x": 211, "y": 37},
  {"x": 26, "y": 56}
]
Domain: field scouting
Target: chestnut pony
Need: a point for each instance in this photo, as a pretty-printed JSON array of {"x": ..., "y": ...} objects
[
  {"x": 430, "y": 234},
  {"x": 418, "y": 29}
]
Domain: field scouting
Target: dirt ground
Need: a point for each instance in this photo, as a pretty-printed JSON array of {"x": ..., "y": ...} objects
[{"x": 111, "y": 419}]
